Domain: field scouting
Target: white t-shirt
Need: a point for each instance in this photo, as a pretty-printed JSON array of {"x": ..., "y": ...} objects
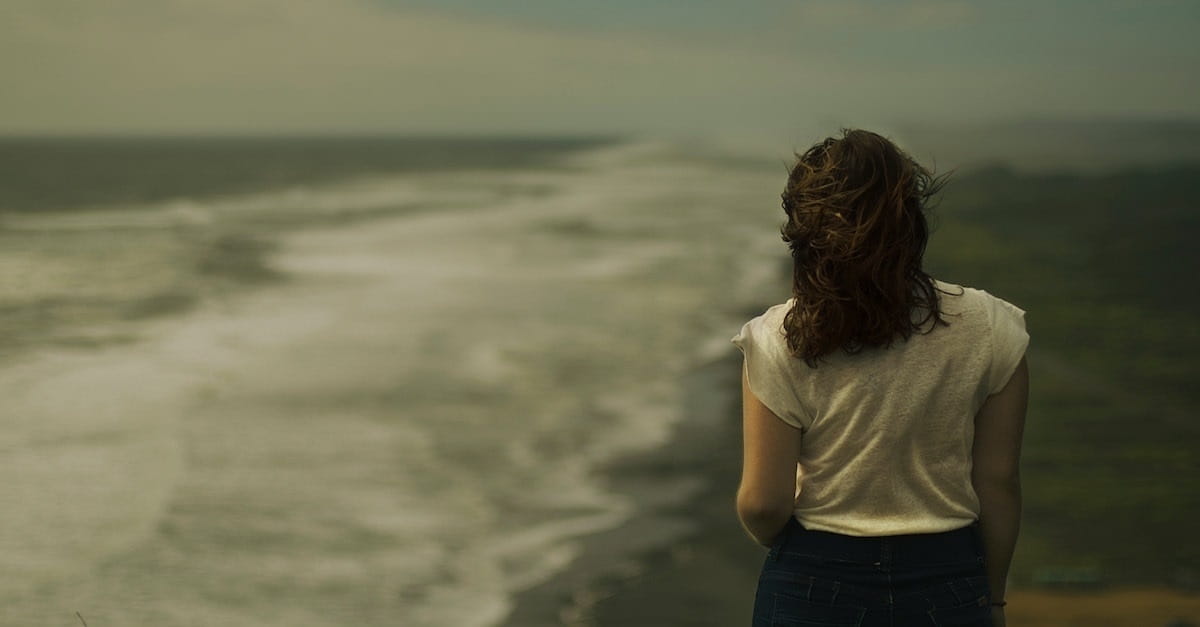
[{"x": 887, "y": 432}]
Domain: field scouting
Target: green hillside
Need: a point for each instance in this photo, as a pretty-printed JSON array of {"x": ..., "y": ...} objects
[{"x": 1105, "y": 266}]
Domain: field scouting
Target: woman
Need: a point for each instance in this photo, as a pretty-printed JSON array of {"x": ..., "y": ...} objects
[{"x": 883, "y": 411}]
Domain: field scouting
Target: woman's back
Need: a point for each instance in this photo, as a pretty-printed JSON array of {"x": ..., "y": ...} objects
[
  {"x": 888, "y": 432},
  {"x": 882, "y": 409}
]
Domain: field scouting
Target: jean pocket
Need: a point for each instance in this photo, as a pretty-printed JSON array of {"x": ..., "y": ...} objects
[
  {"x": 962, "y": 602},
  {"x": 970, "y": 615},
  {"x": 795, "y": 611}
]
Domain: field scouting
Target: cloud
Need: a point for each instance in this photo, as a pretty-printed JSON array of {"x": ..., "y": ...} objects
[
  {"x": 359, "y": 65},
  {"x": 284, "y": 64}
]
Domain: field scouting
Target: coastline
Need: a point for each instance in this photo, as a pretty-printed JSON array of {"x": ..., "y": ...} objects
[{"x": 683, "y": 558}]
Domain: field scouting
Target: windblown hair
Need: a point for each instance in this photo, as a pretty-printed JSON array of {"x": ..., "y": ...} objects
[{"x": 857, "y": 231}]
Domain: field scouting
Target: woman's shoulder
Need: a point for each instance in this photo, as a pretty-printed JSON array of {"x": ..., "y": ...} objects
[
  {"x": 777, "y": 312},
  {"x": 765, "y": 330},
  {"x": 968, "y": 297},
  {"x": 1002, "y": 322}
]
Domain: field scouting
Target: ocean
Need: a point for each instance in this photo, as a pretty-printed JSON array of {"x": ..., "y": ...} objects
[
  {"x": 438, "y": 381},
  {"x": 346, "y": 381}
]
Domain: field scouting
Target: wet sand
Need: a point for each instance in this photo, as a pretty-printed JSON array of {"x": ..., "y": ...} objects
[
  {"x": 1124, "y": 607},
  {"x": 684, "y": 559}
]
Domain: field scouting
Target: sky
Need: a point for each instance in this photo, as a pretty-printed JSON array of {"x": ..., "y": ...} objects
[{"x": 665, "y": 67}]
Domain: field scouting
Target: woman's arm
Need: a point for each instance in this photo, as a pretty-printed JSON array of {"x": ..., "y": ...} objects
[
  {"x": 771, "y": 448},
  {"x": 996, "y": 475}
]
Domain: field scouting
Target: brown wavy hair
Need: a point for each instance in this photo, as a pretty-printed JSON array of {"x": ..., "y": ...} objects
[{"x": 857, "y": 231}]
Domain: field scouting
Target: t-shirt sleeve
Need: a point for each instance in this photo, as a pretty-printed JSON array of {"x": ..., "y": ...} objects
[
  {"x": 766, "y": 362},
  {"x": 1009, "y": 341}
]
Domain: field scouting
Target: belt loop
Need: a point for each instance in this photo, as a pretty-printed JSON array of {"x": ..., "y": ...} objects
[{"x": 977, "y": 538}]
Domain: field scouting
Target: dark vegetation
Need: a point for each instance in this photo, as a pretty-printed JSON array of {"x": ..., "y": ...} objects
[{"x": 1105, "y": 265}]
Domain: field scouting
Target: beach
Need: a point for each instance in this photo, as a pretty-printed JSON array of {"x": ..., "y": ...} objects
[
  {"x": 683, "y": 559},
  {"x": 494, "y": 393},
  {"x": 379, "y": 400}
]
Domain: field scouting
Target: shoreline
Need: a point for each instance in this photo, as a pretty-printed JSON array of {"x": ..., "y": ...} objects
[
  {"x": 645, "y": 570},
  {"x": 686, "y": 560}
]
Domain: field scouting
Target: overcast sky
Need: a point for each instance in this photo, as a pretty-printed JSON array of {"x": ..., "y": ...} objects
[{"x": 584, "y": 66}]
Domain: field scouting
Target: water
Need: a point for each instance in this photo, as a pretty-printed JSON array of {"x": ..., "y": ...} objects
[
  {"x": 378, "y": 396},
  {"x": 75, "y": 173}
]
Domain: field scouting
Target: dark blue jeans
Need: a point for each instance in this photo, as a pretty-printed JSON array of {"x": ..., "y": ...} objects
[{"x": 821, "y": 579}]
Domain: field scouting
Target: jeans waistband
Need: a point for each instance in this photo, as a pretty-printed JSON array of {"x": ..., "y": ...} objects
[{"x": 959, "y": 545}]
